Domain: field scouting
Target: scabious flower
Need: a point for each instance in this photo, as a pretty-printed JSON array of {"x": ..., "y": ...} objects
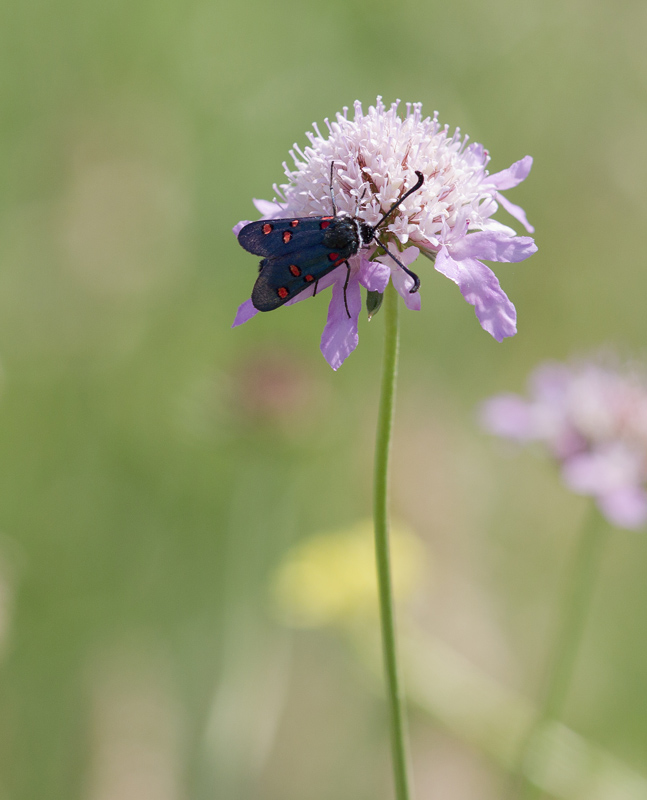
[
  {"x": 449, "y": 220},
  {"x": 592, "y": 418}
]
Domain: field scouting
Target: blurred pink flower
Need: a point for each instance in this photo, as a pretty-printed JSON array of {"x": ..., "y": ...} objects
[
  {"x": 592, "y": 418},
  {"x": 449, "y": 220}
]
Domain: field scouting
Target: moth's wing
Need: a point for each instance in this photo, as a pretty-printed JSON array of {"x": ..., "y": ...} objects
[
  {"x": 268, "y": 237},
  {"x": 285, "y": 276}
]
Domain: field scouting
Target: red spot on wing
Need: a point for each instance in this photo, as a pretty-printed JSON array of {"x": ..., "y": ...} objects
[
  {"x": 294, "y": 223},
  {"x": 295, "y": 270},
  {"x": 286, "y": 236},
  {"x": 282, "y": 292},
  {"x": 267, "y": 228},
  {"x": 309, "y": 278},
  {"x": 325, "y": 222},
  {"x": 333, "y": 256}
]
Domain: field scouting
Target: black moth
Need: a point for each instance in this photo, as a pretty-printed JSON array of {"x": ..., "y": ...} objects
[{"x": 300, "y": 251}]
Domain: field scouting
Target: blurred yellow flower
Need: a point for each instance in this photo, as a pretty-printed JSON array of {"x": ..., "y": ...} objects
[{"x": 330, "y": 578}]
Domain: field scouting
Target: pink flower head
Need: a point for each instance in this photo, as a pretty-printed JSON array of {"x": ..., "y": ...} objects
[
  {"x": 375, "y": 157},
  {"x": 592, "y": 418}
]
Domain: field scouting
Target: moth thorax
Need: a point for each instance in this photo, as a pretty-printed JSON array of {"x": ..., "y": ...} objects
[
  {"x": 366, "y": 232},
  {"x": 342, "y": 233}
]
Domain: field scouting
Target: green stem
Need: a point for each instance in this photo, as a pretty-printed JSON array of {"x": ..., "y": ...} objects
[
  {"x": 576, "y": 602},
  {"x": 380, "y": 510}
]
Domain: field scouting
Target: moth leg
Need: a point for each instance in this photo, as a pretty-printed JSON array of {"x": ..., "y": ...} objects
[
  {"x": 316, "y": 287},
  {"x": 416, "y": 279},
  {"x": 346, "y": 287}
]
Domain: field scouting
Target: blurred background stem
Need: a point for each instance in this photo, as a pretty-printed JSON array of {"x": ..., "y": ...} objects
[
  {"x": 578, "y": 591},
  {"x": 382, "y": 448}
]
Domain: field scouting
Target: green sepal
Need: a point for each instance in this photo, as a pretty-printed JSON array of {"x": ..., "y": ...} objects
[{"x": 373, "y": 303}]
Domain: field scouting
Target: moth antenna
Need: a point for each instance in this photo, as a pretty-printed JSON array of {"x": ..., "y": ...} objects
[
  {"x": 419, "y": 182},
  {"x": 332, "y": 191},
  {"x": 416, "y": 279}
]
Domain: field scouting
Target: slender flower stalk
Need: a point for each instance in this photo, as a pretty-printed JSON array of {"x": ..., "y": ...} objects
[
  {"x": 381, "y": 517},
  {"x": 576, "y": 602}
]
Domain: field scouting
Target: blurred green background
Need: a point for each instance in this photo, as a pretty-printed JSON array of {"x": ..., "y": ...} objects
[{"x": 156, "y": 465}]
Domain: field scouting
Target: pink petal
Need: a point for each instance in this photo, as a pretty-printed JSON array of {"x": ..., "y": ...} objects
[
  {"x": 495, "y": 225},
  {"x": 402, "y": 282},
  {"x": 476, "y": 155},
  {"x": 480, "y": 287},
  {"x": 269, "y": 209},
  {"x": 601, "y": 471},
  {"x": 625, "y": 507},
  {"x": 406, "y": 257},
  {"x": 508, "y": 416},
  {"x": 458, "y": 231},
  {"x": 493, "y": 246},
  {"x": 512, "y": 176},
  {"x": 613, "y": 476},
  {"x": 340, "y": 336},
  {"x": 374, "y": 275},
  {"x": 550, "y": 381},
  {"x": 245, "y": 312},
  {"x": 515, "y": 211}
]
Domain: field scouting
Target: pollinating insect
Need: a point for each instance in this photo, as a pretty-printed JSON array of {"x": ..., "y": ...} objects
[{"x": 299, "y": 252}]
